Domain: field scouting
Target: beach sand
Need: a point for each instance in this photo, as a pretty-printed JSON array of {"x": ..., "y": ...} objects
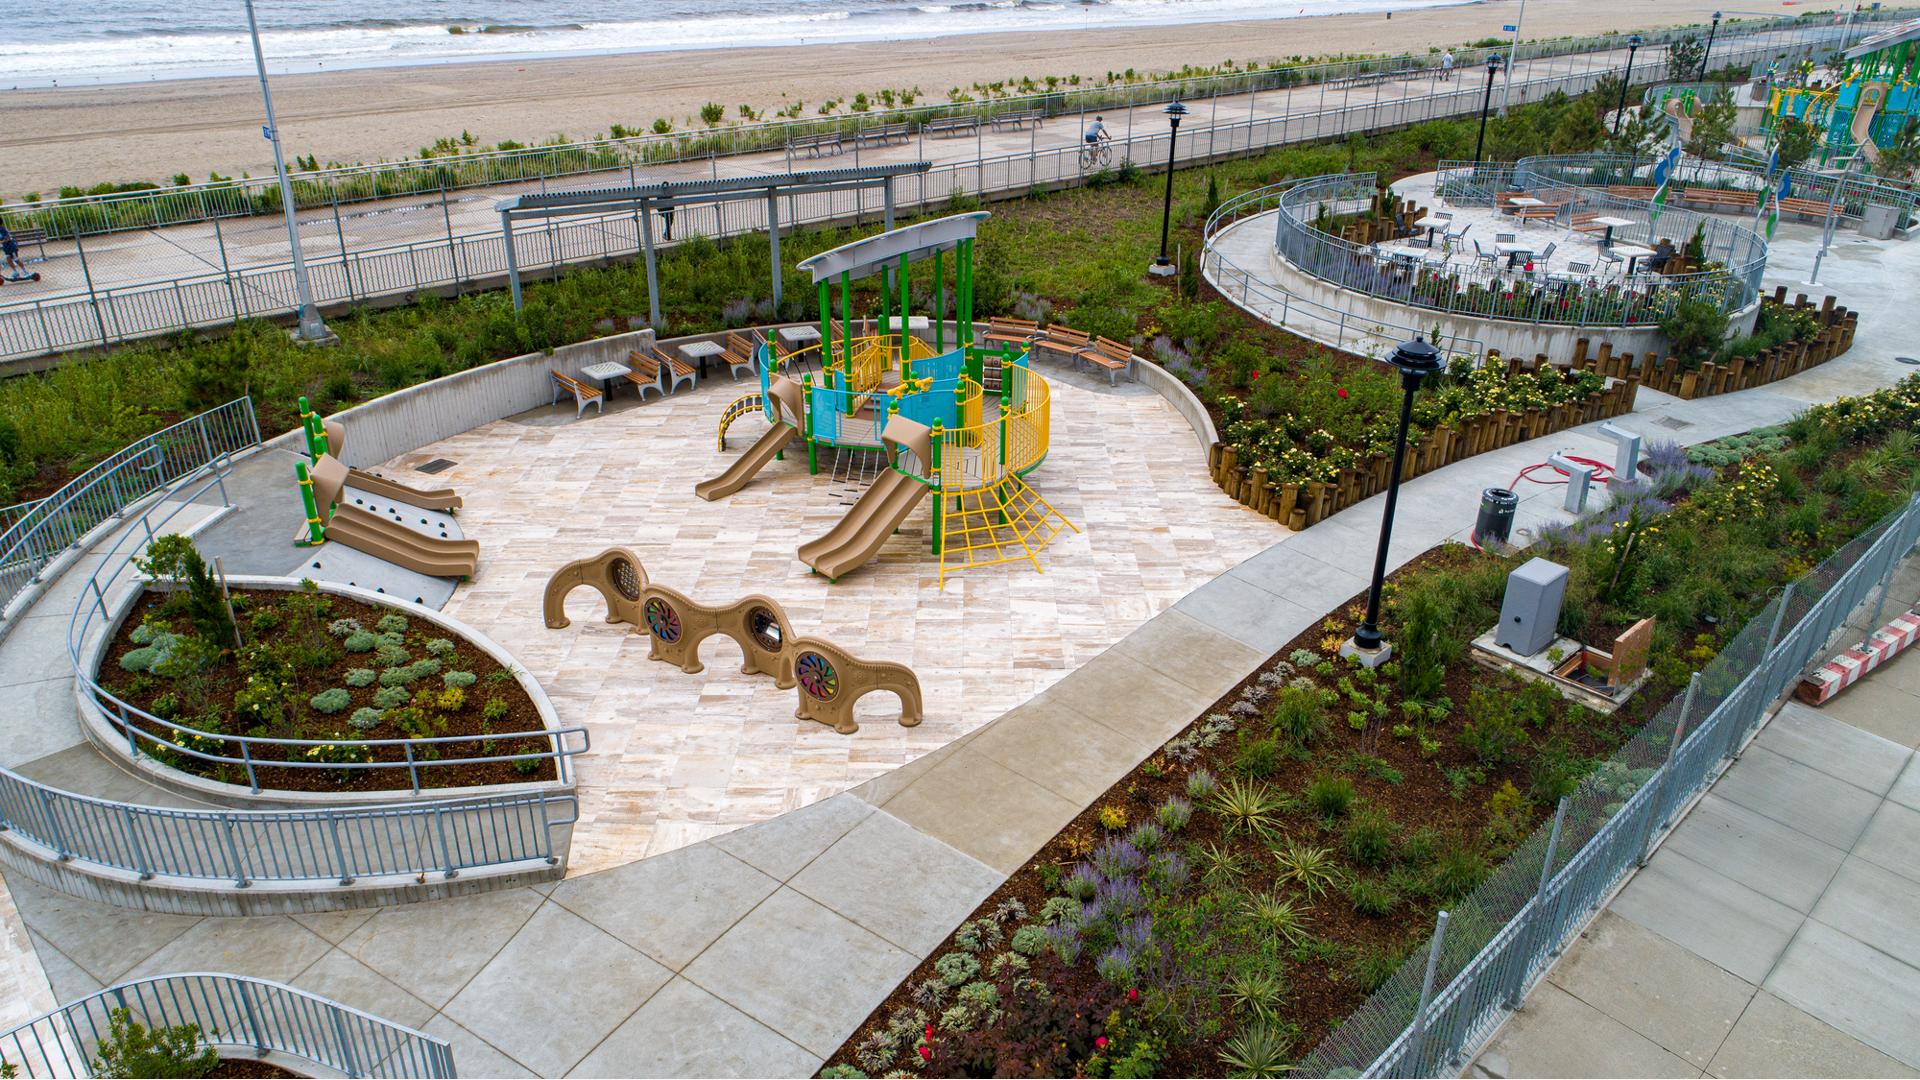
[{"x": 149, "y": 131}]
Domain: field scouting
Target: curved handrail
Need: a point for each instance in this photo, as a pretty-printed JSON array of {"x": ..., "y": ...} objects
[
  {"x": 233, "y": 1011},
  {"x": 189, "y": 741}
]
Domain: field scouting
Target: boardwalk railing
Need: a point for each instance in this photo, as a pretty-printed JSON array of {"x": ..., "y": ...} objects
[
  {"x": 37, "y": 533},
  {"x": 1487, "y": 951},
  {"x": 243, "y": 1016},
  {"x": 382, "y": 266}
]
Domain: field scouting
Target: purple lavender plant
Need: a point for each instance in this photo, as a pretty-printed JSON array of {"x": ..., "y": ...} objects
[{"x": 1117, "y": 859}]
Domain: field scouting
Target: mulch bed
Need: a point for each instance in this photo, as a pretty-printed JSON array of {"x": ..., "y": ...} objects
[
  {"x": 247, "y": 1068},
  {"x": 1321, "y": 993},
  {"x": 304, "y": 722}
]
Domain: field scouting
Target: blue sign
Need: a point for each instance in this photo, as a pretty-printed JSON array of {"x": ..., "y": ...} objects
[
  {"x": 1510, "y": 29},
  {"x": 266, "y": 132}
]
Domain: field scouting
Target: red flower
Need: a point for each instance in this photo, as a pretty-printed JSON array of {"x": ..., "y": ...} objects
[
  {"x": 1342, "y": 391},
  {"x": 1133, "y": 996},
  {"x": 929, "y": 1031},
  {"x": 1254, "y": 378},
  {"x": 926, "y": 1053},
  {"x": 1100, "y": 1043}
]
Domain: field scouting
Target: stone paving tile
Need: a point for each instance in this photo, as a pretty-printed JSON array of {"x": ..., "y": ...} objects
[
  {"x": 273, "y": 947},
  {"x": 1190, "y": 652},
  {"x": 1852, "y": 986},
  {"x": 1052, "y": 744},
  {"x": 775, "y": 967},
  {"x": 558, "y": 988},
  {"x": 785, "y": 845},
  {"x": 1861, "y": 758},
  {"x": 1714, "y": 916},
  {"x": 1892, "y": 840},
  {"x": 670, "y": 906},
  {"x": 335, "y": 925},
  {"x": 983, "y": 809},
  {"x": 1876, "y": 906},
  {"x": 1775, "y": 1039},
  {"x": 897, "y": 882},
  {"x": 342, "y": 978},
  {"x": 685, "y": 1031},
  {"x": 679, "y": 758},
  {"x": 1772, "y": 859},
  {"x": 73, "y": 926},
  {"x": 65, "y": 978},
  {"x": 472, "y": 1055},
  {"x": 1680, "y": 1002},
  {"x": 1906, "y": 790},
  {"x": 1827, "y": 809},
  {"x": 1557, "y": 1035},
  {"x": 408, "y": 944}
]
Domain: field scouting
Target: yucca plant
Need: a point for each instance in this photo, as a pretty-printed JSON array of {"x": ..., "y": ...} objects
[
  {"x": 1257, "y": 993},
  {"x": 1219, "y": 865},
  {"x": 1247, "y": 805},
  {"x": 1311, "y": 868},
  {"x": 1275, "y": 917},
  {"x": 1260, "y": 1049}
]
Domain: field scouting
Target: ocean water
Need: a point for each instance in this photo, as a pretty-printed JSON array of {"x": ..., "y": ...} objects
[{"x": 115, "y": 41}]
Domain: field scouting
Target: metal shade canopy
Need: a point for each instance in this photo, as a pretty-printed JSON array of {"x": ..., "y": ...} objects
[{"x": 875, "y": 253}]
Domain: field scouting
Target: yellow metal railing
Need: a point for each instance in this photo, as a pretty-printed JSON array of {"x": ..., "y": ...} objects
[{"x": 992, "y": 445}]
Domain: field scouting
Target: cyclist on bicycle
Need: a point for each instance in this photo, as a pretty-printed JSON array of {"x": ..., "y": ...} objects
[{"x": 1097, "y": 131}]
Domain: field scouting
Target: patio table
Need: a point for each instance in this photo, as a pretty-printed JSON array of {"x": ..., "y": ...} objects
[
  {"x": 606, "y": 374},
  {"x": 700, "y": 352}
]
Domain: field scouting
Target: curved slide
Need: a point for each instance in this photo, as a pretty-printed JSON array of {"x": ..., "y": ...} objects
[
  {"x": 747, "y": 465},
  {"x": 859, "y": 535},
  {"x": 1867, "y": 104},
  {"x": 435, "y": 499},
  {"x": 394, "y": 542}
]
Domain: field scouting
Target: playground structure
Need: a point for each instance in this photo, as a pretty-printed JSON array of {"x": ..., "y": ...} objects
[
  {"x": 926, "y": 406},
  {"x": 1872, "y": 97},
  {"x": 829, "y": 680},
  {"x": 361, "y": 521}
]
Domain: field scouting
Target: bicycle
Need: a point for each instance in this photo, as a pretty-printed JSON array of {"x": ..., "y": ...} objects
[{"x": 1097, "y": 154}]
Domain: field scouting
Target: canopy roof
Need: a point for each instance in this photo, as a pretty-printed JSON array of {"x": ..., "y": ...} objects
[
  {"x": 1894, "y": 35},
  {"x": 875, "y": 253}
]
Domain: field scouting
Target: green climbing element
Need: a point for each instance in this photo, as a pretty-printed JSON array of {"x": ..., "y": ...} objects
[{"x": 316, "y": 532}]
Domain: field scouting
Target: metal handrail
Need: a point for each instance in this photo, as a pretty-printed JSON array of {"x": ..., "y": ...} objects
[
  {"x": 237, "y": 1011},
  {"x": 123, "y": 715},
  {"x": 45, "y": 529}
]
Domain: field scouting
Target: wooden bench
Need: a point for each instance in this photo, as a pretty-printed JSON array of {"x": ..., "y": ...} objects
[
  {"x": 814, "y": 145},
  {"x": 36, "y": 237},
  {"x": 739, "y": 354},
  {"x": 1811, "y": 208},
  {"x": 1064, "y": 340},
  {"x": 1115, "y": 356},
  {"x": 951, "y": 125},
  {"x": 677, "y": 370},
  {"x": 643, "y": 372},
  {"x": 1005, "y": 331},
  {"x": 1583, "y": 222},
  {"x": 1018, "y": 119},
  {"x": 1630, "y": 191},
  {"x": 1718, "y": 199},
  {"x": 583, "y": 395},
  {"x": 884, "y": 134},
  {"x": 1548, "y": 211}
]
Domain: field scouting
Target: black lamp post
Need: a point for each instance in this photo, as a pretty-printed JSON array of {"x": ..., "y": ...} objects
[
  {"x": 1708, "y": 51},
  {"x": 1416, "y": 359},
  {"x": 1493, "y": 68},
  {"x": 1163, "y": 266},
  {"x": 1633, "y": 46}
]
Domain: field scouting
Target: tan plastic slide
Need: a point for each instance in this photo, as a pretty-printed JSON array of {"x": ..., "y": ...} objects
[
  {"x": 384, "y": 539},
  {"x": 434, "y": 499},
  {"x": 881, "y": 509},
  {"x": 1871, "y": 95},
  {"x": 789, "y": 399}
]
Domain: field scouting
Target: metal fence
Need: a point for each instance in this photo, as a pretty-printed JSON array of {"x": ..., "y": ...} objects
[
  {"x": 38, "y": 532},
  {"x": 1488, "y": 950},
  {"x": 398, "y": 247},
  {"x": 1851, "y": 194},
  {"x": 165, "y": 739},
  {"x": 1328, "y": 325},
  {"x": 233, "y": 1012}
]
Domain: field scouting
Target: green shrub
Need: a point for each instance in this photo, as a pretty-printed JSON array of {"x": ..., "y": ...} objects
[
  {"x": 956, "y": 968},
  {"x": 459, "y": 679},
  {"x": 132, "y": 1050},
  {"x": 1299, "y": 716},
  {"x": 1457, "y": 872},
  {"x": 331, "y": 701},
  {"x": 391, "y": 697},
  {"x": 390, "y": 655},
  {"x": 1257, "y": 757},
  {"x": 494, "y": 710},
  {"x": 139, "y": 659},
  {"x": 399, "y": 676},
  {"x": 1029, "y": 940},
  {"x": 344, "y": 628},
  {"x": 441, "y": 647},
  {"x": 361, "y": 676},
  {"x": 1371, "y": 896},
  {"x": 1369, "y": 837},
  {"x": 1330, "y": 796},
  {"x": 391, "y": 623},
  {"x": 364, "y": 719},
  {"x": 358, "y": 642}
]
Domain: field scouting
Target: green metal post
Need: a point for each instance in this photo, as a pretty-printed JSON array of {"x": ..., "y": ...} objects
[
  {"x": 906, "y": 276},
  {"x": 316, "y": 532},
  {"x": 939, "y": 493},
  {"x": 813, "y": 456},
  {"x": 315, "y": 433},
  {"x": 826, "y": 324},
  {"x": 939, "y": 308},
  {"x": 886, "y": 301},
  {"x": 959, "y": 404},
  {"x": 965, "y": 269},
  {"x": 846, "y": 319}
]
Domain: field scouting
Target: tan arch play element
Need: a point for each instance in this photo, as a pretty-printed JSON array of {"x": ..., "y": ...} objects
[
  {"x": 830, "y": 680},
  {"x": 615, "y": 572},
  {"x": 676, "y": 624}
]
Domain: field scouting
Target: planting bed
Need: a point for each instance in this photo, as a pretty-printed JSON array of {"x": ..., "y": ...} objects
[{"x": 299, "y": 646}]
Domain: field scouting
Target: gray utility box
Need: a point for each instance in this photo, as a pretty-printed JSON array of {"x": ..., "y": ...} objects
[
  {"x": 1879, "y": 221},
  {"x": 1530, "y": 614}
]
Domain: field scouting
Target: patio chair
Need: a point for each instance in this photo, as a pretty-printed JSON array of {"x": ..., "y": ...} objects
[
  {"x": 1547, "y": 254},
  {"x": 1492, "y": 258},
  {"x": 1579, "y": 268},
  {"x": 1503, "y": 238}
]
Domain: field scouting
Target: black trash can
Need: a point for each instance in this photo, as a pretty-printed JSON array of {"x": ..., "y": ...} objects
[{"x": 1495, "y": 522}]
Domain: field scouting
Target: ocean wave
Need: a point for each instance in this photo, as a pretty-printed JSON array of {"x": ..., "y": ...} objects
[{"x": 514, "y": 28}]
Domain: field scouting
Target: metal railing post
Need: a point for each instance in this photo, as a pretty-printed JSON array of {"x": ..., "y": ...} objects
[
  {"x": 345, "y": 875},
  {"x": 237, "y": 871},
  {"x": 1417, "y": 1037},
  {"x": 446, "y": 849},
  {"x": 1657, "y": 814},
  {"x": 1538, "y": 922},
  {"x": 348, "y": 1064},
  {"x": 133, "y": 840},
  {"x": 413, "y": 771},
  {"x": 253, "y": 1016},
  {"x": 57, "y": 835}
]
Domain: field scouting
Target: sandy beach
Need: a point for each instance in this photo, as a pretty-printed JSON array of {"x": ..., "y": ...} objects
[{"x": 149, "y": 131}]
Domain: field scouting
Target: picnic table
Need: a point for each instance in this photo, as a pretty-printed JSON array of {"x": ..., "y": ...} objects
[
  {"x": 1513, "y": 251},
  {"x": 1633, "y": 253},
  {"x": 794, "y": 338},
  {"x": 1431, "y": 224},
  {"x": 605, "y": 374},
  {"x": 1611, "y": 223},
  {"x": 700, "y": 351}
]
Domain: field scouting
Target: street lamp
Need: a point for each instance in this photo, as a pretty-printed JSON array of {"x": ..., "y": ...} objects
[
  {"x": 1416, "y": 359},
  {"x": 312, "y": 330},
  {"x": 1633, "y": 46},
  {"x": 1708, "y": 51},
  {"x": 1493, "y": 68},
  {"x": 1163, "y": 266}
]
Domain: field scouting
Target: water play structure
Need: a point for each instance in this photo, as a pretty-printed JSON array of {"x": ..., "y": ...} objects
[
  {"x": 1868, "y": 102},
  {"x": 959, "y": 421}
]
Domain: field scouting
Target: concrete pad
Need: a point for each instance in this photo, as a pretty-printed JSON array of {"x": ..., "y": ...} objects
[
  {"x": 350, "y": 982},
  {"x": 1827, "y": 809},
  {"x": 781, "y": 847},
  {"x": 1858, "y": 989},
  {"x": 1192, "y": 653},
  {"x": 1840, "y": 750},
  {"x": 409, "y": 944},
  {"x": 1775, "y": 1039},
  {"x": 67, "y": 979},
  {"x": 1680, "y": 1002},
  {"x": 335, "y": 926},
  {"x": 1772, "y": 859},
  {"x": 685, "y": 1031},
  {"x": 983, "y": 809},
  {"x": 1892, "y": 841},
  {"x": 558, "y": 988},
  {"x": 1876, "y": 906},
  {"x": 1881, "y": 708},
  {"x": 55, "y": 722},
  {"x": 273, "y": 947},
  {"x": 883, "y": 788},
  {"x": 801, "y": 970},
  {"x": 1711, "y": 914},
  {"x": 74, "y": 927},
  {"x": 472, "y": 1055},
  {"x": 1906, "y": 790},
  {"x": 1312, "y": 584},
  {"x": 669, "y": 906},
  {"x": 897, "y": 882},
  {"x": 1049, "y": 742},
  {"x": 1117, "y": 692},
  {"x": 1556, "y": 1034},
  {"x": 1260, "y": 619}
]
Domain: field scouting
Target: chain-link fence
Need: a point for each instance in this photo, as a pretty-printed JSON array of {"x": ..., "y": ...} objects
[{"x": 1488, "y": 950}]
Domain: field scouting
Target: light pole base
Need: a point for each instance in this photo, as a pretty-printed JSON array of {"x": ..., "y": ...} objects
[
  {"x": 1366, "y": 658},
  {"x": 312, "y": 331},
  {"x": 1161, "y": 269}
]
